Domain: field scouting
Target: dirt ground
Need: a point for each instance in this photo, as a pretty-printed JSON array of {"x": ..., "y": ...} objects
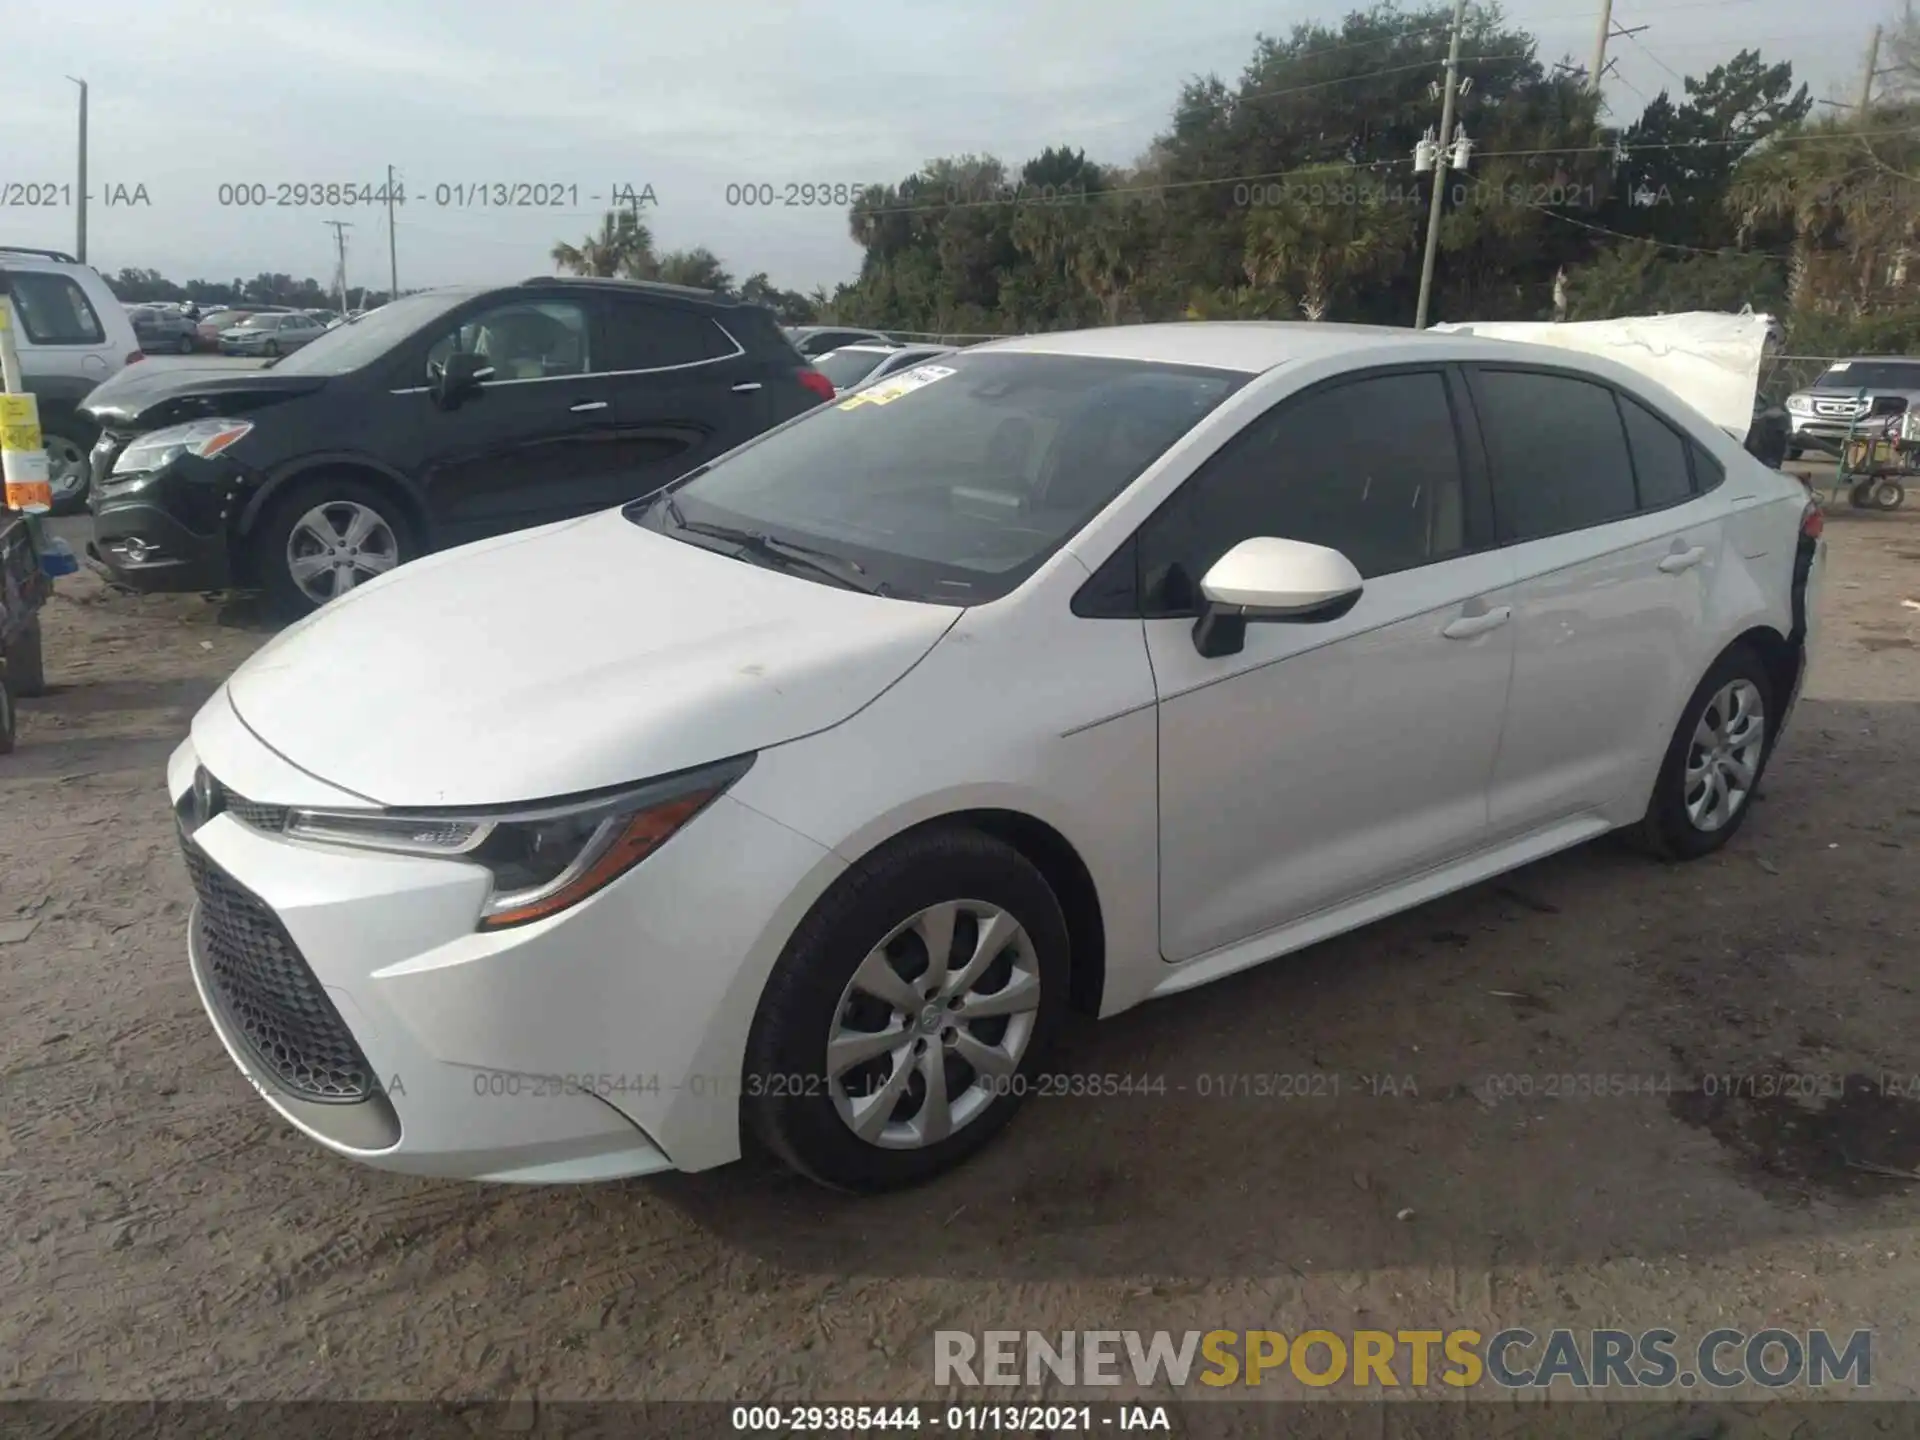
[{"x": 167, "y": 1236}]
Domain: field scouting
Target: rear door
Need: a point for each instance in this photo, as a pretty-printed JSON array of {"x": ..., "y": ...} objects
[
  {"x": 681, "y": 390},
  {"x": 1614, "y": 558}
]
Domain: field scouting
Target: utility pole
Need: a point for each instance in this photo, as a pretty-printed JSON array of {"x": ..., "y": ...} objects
[
  {"x": 393, "y": 246},
  {"x": 340, "y": 228},
  {"x": 1440, "y": 163},
  {"x": 80, "y": 193},
  {"x": 1866, "y": 81},
  {"x": 1600, "y": 45}
]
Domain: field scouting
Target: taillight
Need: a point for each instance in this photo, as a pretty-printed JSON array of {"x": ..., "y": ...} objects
[
  {"x": 1812, "y": 520},
  {"x": 816, "y": 382},
  {"x": 136, "y": 356}
]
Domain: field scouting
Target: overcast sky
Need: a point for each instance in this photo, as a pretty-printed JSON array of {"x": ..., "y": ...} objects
[{"x": 688, "y": 99}]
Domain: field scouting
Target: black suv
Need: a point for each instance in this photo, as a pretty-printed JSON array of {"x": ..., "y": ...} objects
[{"x": 440, "y": 418}]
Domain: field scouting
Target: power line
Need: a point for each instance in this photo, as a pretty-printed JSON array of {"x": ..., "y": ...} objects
[
  {"x": 1644, "y": 240},
  {"x": 1640, "y": 45}
]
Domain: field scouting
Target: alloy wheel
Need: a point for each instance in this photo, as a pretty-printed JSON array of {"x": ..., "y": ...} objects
[
  {"x": 933, "y": 1025},
  {"x": 66, "y": 467},
  {"x": 1724, "y": 758},
  {"x": 337, "y": 545}
]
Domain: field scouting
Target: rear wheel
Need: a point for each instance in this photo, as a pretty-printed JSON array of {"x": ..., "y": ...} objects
[
  {"x": 899, "y": 1029},
  {"x": 326, "y": 537},
  {"x": 1713, "y": 764},
  {"x": 1888, "y": 495},
  {"x": 184, "y": 345}
]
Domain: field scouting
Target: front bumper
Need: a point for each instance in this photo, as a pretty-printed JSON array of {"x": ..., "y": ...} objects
[
  {"x": 166, "y": 530},
  {"x": 146, "y": 547},
  {"x": 1823, "y": 432},
  {"x": 604, "y": 1042}
]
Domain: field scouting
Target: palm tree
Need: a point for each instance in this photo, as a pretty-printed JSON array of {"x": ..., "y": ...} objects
[
  {"x": 622, "y": 245},
  {"x": 698, "y": 267}
]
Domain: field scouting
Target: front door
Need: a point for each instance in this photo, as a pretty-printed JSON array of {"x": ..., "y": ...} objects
[
  {"x": 536, "y": 442},
  {"x": 1327, "y": 759}
]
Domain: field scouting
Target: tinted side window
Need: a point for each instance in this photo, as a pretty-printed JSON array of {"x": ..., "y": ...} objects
[
  {"x": 522, "y": 340},
  {"x": 642, "y": 336},
  {"x": 1557, "y": 451},
  {"x": 54, "y": 310},
  {"x": 1659, "y": 456},
  {"x": 1707, "y": 471},
  {"x": 1369, "y": 467}
]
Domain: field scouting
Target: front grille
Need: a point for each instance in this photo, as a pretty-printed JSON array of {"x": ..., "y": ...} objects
[
  {"x": 220, "y": 800},
  {"x": 269, "y": 995}
]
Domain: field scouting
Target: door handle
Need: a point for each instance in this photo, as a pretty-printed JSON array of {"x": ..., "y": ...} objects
[
  {"x": 748, "y": 385},
  {"x": 1683, "y": 560},
  {"x": 1468, "y": 626},
  {"x": 586, "y": 405}
]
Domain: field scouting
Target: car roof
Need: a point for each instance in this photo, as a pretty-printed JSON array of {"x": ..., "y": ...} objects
[
  {"x": 865, "y": 349},
  {"x": 686, "y": 294},
  {"x": 1876, "y": 360},
  {"x": 1245, "y": 345}
]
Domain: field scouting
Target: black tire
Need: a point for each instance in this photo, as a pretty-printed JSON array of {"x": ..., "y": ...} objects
[
  {"x": 6, "y": 718},
  {"x": 268, "y": 550},
  {"x": 27, "y": 662},
  {"x": 1889, "y": 495},
  {"x": 1860, "y": 496},
  {"x": 1667, "y": 830},
  {"x": 787, "y": 1102},
  {"x": 184, "y": 345},
  {"x": 271, "y": 349},
  {"x": 68, "y": 431},
  {"x": 1794, "y": 452}
]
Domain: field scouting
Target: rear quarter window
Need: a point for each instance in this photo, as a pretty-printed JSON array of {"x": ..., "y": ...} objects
[{"x": 54, "y": 310}]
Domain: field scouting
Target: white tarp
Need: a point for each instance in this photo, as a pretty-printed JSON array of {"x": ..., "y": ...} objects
[{"x": 1710, "y": 360}]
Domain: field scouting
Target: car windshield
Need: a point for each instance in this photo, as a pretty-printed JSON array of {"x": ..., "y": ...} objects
[
  {"x": 950, "y": 482},
  {"x": 1871, "y": 375},
  {"x": 848, "y": 367},
  {"x": 348, "y": 347}
]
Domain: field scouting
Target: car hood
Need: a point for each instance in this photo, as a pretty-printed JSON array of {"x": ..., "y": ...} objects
[
  {"x": 574, "y": 657},
  {"x": 146, "y": 396}
]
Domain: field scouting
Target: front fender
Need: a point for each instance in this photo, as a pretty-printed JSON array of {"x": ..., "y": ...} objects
[{"x": 293, "y": 471}]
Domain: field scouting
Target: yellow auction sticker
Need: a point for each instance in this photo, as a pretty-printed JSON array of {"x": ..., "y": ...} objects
[{"x": 904, "y": 384}]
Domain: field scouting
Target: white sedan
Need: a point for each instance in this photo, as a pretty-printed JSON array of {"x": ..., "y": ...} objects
[{"x": 1067, "y": 672}]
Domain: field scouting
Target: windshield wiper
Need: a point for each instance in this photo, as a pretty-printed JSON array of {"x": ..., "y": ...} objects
[{"x": 783, "y": 552}]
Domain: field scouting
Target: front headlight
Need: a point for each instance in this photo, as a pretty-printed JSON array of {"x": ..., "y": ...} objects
[
  {"x": 158, "y": 448},
  {"x": 1800, "y": 404},
  {"x": 543, "y": 858}
]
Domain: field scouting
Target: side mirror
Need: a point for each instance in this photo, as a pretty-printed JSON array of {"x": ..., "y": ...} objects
[
  {"x": 462, "y": 375},
  {"x": 1269, "y": 579}
]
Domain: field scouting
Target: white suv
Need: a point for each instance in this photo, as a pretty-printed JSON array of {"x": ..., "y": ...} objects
[{"x": 73, "y": 334}]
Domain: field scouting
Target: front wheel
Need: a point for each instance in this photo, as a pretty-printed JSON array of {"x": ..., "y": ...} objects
[
  {"x": 271, "y": 349},
  {"x": 906, "y": 1018},
  {"x": 1714, "y": 762},
  {"x": 67, "y": 469},
  {"x": 324, "y": 538}
]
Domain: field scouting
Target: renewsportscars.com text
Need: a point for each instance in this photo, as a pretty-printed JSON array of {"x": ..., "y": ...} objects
[{"x": 1389, "y": 1359}]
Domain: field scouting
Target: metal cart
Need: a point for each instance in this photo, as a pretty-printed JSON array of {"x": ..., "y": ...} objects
[{"x": 1880, "y": 452}]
